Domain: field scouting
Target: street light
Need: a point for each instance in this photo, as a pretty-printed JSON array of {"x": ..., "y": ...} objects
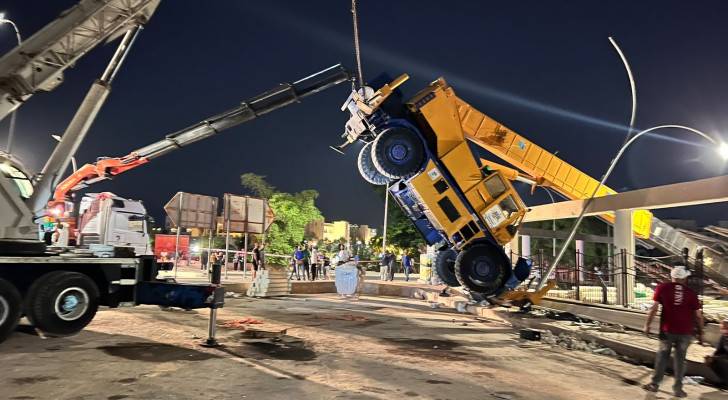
[
  {"x": 720, "y": 147},
  {"x": 11, "y": 130}
]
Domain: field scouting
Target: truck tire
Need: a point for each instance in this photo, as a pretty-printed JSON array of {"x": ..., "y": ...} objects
[
  {"x": 10, "y": 308},
  {"x": 62, "y": 303},
  {"x": 482, "y": 268},
  {"x": 398, "y": 153},
  {"x": 367, "y": 169},
  {"x": 445, "y": 267}
]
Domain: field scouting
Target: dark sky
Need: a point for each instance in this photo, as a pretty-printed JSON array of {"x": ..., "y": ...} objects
[{"x": 543, "y": 68}]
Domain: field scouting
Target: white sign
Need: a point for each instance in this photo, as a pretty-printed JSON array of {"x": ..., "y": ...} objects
[{"x": 494, "y": 216}]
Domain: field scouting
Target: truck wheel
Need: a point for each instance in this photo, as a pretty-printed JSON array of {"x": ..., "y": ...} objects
[
  {"x": 367, "y": 169},
  {"x": 482, "y": 268},
  {"x": 10, "y": 308},
  {"x": 62, "y": 303},
  {"x": 445, "y": 267},
  {"x": 398, "y": 153}
]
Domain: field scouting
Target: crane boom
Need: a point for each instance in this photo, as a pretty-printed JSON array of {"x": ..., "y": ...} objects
[
  {"x": 282, "y": 95},
  {"x": 38, "y": 63}
]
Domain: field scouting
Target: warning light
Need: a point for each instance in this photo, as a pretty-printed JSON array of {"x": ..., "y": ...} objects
[{"x": 56, "y": 211}]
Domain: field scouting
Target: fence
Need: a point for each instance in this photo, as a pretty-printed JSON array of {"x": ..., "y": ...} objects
[{"x": 596, "y": 279}]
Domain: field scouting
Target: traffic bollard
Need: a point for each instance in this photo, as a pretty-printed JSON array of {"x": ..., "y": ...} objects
[{"x": 211, "y": 341}]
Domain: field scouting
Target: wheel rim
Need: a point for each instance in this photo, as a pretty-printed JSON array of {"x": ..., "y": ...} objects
[
  {"x": 484, "y": 271},
  {"x": 398, "y": 152},
  {"x": 71, "y": 303},
  {"x": 4, "y": 310}
]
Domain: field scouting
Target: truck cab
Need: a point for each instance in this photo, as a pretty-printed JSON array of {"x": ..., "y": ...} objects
[{"x": 105, "y": 218}]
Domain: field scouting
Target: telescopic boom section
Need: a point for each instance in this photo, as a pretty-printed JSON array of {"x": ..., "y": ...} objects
[{"x": 278, "y": 97}]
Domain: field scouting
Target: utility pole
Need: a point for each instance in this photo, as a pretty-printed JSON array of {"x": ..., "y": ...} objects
[{"x": 386, "y": 211}]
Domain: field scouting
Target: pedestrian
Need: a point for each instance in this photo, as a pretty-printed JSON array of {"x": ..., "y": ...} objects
[
  {"x": 256, "y": 259},
  {"x": 261, "y": 256},
  {"x": 680, "y": 316},
  {"x": 298, "y": 262},
  {"x": 343, "y": 254},
  {"x": 406, "y": 266},
  {"x": 314, "y": 263},
  {"x": 236, "y": 260},
  {"x": 306, "y": 263},
  {"x": 391, "y": 264},
  {"x": 383, "y": 265},
  {"x": 203, "y": 259},
  {"x": 326, "y": 262},
  {"x": 718, "y": 361},
  {"x": 60, "y": 236}
]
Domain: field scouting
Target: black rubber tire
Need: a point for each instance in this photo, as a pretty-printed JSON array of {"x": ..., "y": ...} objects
[
  {"x": 43, "y": 308},
  {"x": 482, "y": 268},
  {"x": 367, "y": 169},
  {"x": 11, "y": 305},
  {"x": 445, "y": 267},
  {"x": 398, "y": 153}
]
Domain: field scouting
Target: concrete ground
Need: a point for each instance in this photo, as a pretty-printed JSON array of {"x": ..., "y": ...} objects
[{"x": 311, "y": 347}]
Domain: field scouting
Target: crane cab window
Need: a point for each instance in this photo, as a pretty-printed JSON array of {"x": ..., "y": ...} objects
[
  {"x": 21, "y": 181},
  {"x": 495, "y": 186}
]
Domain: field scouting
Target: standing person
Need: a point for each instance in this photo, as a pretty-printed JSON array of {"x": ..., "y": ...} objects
[
  {"x": 383, "y": 265},
  {"x": 60, "y": 236},
  {"x": 406, "y": 266},
  {"x": 343, "y": 254},
  {"x": 298, "y": 262},
  {"x": 391, "y": 264},
  {"x": 314, "y": 262},
  {"x": 236, "y": 260},
  {"x": 718, "y": 362},
  {"x": 680, "y": 316},
  {"x": 306, "y": 263},
  {"x": 256, "y": 259},
  {"x": 203, "y": 259}
]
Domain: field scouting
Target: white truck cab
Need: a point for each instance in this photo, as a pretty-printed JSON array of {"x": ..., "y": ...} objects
[{"x": 105, "y": 218}]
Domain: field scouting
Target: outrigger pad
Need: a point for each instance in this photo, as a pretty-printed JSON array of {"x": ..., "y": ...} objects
[{"x": 185, "y": 296}]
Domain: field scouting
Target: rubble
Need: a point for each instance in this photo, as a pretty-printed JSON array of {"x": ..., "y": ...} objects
[{"x": 572, "y": 343}]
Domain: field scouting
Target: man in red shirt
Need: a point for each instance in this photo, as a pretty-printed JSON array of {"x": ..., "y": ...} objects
[{"x": 680, "y": 315}]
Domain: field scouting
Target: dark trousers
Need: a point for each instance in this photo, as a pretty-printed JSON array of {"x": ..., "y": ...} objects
[
  {"x": 312, "y": 270},
  {"x": 667, "y": 342},
  {"x": 719, "y": 365}
]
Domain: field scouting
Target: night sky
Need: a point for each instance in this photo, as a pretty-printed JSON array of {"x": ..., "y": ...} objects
[{"x": 543, "y": 68}]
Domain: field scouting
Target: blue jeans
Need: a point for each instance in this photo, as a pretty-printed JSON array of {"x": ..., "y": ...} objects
[{"x": 667, "y": 342}]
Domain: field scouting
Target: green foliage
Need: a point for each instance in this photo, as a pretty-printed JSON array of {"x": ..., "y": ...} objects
[
  {"x": 257, "y": 185},
  {"x": 401, "y": 232},
  {"x": 293, "y": 211}
]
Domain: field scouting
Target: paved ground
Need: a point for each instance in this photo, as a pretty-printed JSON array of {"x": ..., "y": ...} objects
[{"x": 310, "y": 347}]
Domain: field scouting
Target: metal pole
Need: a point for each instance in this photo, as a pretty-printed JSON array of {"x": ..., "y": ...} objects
[
  {"x": 226, "y": 213},
  {"x": 386, "y": 211},
  {"x": 245, "y": 255},
  {"x": 213, "y": 228},
  {"x": 176, "y": 240},
  {"x": 577, "y": 273},
  {"x": 211, "y": 341}
]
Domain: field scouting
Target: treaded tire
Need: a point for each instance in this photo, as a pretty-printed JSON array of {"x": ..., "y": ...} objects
[
  {"x": 398, "y": 153},
  {"x": 49, "y": 303},
  {"x": 445, "y": 267},
  {"x": 482, "y": 269},
  {"x": 10, "y": 308},
  {"x": 367, "y": 169}
]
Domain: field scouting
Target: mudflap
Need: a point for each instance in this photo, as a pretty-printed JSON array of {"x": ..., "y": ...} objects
[{"x": 187, "y": 296}]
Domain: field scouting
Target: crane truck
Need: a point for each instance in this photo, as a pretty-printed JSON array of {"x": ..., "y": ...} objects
[{"x": 60, "y": 292}]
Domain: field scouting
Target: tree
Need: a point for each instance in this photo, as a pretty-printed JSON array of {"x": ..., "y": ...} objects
[
  {"x": 257, "y": 185},
  {"x": 401, "y": 232},
  {"x": 293, "y": 211}
]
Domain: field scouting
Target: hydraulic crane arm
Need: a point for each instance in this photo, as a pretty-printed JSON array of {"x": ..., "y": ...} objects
[
  {"x": 280, "y": 96},
  {"x": 535, "y": 161},
  {"x": 38, "y": 63}
]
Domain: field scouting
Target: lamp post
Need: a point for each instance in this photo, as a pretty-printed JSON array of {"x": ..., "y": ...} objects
[
  {"x": 721, "y": 148},
  {"x": 13, "y": 116},
  {"x": 553, "y": 222}
]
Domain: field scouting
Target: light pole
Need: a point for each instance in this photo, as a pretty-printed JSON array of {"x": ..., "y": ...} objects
[
  {"x": 721, "y": 148},
  {"x": 553, "y": 222},
  {"x": 11, "y": 130}
]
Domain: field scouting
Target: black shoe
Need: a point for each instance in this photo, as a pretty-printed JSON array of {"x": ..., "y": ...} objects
[
  {"x": 679, "y": 393},
  {"x": 650, "y": 387}
]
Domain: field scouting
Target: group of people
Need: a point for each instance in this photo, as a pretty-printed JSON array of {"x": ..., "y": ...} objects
[
  {"x": 218, "y": 258},
  {"x": 680, "y": 320},
  {"x": 308, "y": 263},
  {"x": 388, "y": 265}
]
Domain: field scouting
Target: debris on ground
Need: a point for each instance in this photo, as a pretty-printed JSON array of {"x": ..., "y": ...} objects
[
  {"x": 693, "y": 380},
  {"x": 240, "y": 323},
  {"x": 234, "y": 295},
  {"x": 572, "y": 343},
  {"x": 434, "y": 305},
  {"x": 343, "y": 317}
]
